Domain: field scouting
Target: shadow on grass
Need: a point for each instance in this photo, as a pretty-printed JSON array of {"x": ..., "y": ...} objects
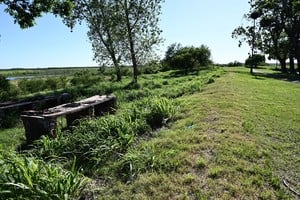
[
  {"x": 279, "y": 76},
  {"x": 180, "y": 73},
  {"x": 262, "y": 75}
]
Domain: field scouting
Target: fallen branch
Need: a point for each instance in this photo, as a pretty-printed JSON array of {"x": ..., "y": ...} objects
[{"x": 286, "y": 184}]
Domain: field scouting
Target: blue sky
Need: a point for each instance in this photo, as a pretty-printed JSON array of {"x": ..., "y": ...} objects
[{"x": 189, "y": 22}]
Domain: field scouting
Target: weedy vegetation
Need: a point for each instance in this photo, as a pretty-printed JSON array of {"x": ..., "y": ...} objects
[
  {"x": 103, "y": 148},
  {"x": 213, "y": 133},
  {"x": 26, "y": 177}
]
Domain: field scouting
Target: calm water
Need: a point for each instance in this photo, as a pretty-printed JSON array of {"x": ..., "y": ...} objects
[{"x": 12, "y": 78}]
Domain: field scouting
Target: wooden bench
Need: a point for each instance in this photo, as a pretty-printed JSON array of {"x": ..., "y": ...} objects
[
  {"x": 43, "y": 102},
  {"x": 38, "y": 123}
]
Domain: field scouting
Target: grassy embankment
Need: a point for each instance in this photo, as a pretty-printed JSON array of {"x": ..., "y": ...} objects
[
  {"x": 99, "y": 147},
  {"x": 239, "y": 139}
]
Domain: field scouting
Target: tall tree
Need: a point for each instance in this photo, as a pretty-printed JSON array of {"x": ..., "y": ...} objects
[
  {"x": 103, "y": 21},
  {"x": 279, "y": 25},
  {"x": 125, "y": 29},
  {"x": 139, "y": 19}
]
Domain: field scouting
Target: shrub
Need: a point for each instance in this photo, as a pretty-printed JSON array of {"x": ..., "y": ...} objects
[
  {"x": 235, "y": 64},
  {"x": 83, "y": 77},
  {"x": 9, "y": 119},
  {"x": 31, "y": 85},
  {"x": 7, "y": 90},
  {"x": 51, "y": 83},
  {"x": 255, "y": 60},
  {"x": 157, "y": 111},
  {"x": 151, "y": 67},
  {"x": 4, "y": 83},
  {"x": 187, "y": 58}
]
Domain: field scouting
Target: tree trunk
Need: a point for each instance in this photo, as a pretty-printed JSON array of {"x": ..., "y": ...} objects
[
  {"x": 118, "y": 72},
  {"x": 251, "y": 69},
  {"x": 133, "y": 56},
  {"x": 131, "y": 45},
  {"x": 283, "y": 65},
  {"x": 298, "y": 61},
  {"x": 117, "y": 67},
  {"x": 292, "y": 65}
]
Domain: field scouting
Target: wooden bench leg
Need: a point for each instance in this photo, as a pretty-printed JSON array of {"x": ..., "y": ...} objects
[
  {"x": 36, "y": 126},
  {"x": 72, "y": 117},
  {"x": 105, "y": 107}
]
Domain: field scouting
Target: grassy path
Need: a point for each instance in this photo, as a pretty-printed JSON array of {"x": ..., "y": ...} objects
[
  {"x": 253, "y": 130},
  {"x": 238, "y": 139}
]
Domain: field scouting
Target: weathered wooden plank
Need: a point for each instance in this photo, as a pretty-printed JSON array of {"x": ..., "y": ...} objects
[
  {"x": 36, "y": 126},
  {"x": 38, "y": 123}
]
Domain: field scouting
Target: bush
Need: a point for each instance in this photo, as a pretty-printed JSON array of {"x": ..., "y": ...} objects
[
  {"x": 151, "y": 67},
  {"x": 7, "y": 90},
  {"x": 51, "y": 83},
  {"x": 187, "y": 58},
  {"x": 156, "y": 111},
  {"x": 9, "y": 119},
  {"x": 31, "y": 85},
  {"x": 84, "y": 77},
  {"x": 255, "y": 60},
  {"x": 4, "y": 83},
  {"x": 235, "y": 64}
]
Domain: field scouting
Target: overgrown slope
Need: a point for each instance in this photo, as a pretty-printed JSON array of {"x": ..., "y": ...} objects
[{"x": 238, "y": 139}]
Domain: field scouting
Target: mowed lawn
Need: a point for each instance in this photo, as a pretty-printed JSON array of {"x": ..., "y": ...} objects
[{"x": 237, "y": 139}]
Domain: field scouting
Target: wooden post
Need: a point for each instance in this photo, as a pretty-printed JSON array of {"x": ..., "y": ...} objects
[{"x": 36, "y": 126}]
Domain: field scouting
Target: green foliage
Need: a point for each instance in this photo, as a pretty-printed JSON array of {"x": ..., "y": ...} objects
[
  {"x": 151, "y": 67},
  {"x": 201, "y": 163},
  {"x": 255, "y": 60},
  {"x": 25, "y": 12},
  {"x": 121, "y": 32},
  {"x": 4, "y": 83},
  {"x": 109, "y": 147},
  {"x": 235, "y": 64},
  {"x": 158, "y": 111},
  {"x": 7, "y": 90},
  {"x": 147, "y": 159},
  {"x": 83, "y": 77},
  {"x": 275, "y": 30},
  {"x": 95, "y": 142},
  {"x": 25, "y": 177},
  {"x": 9, "y": 119},
  {"x": 215, "y": 172},
  {"x": 31, "y": 85},
  {"x": 187, "y": 58}
]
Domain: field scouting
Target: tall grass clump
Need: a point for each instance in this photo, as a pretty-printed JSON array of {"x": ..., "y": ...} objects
[
  {"x": 158, "y": 111},
  {"x": 30, "y": 178},
  {"x": 94, "y": 143}
]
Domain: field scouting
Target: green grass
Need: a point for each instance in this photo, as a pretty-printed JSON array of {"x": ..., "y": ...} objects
[
  {"x": 170, "y": 84},
  {"x": 238, "y": 139},
  {"x": 45, "y": 71},
  {"x": 12, "y": 137},
  {"x": 236, "y": 136},
  {"x": 25, "y": 177}
]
